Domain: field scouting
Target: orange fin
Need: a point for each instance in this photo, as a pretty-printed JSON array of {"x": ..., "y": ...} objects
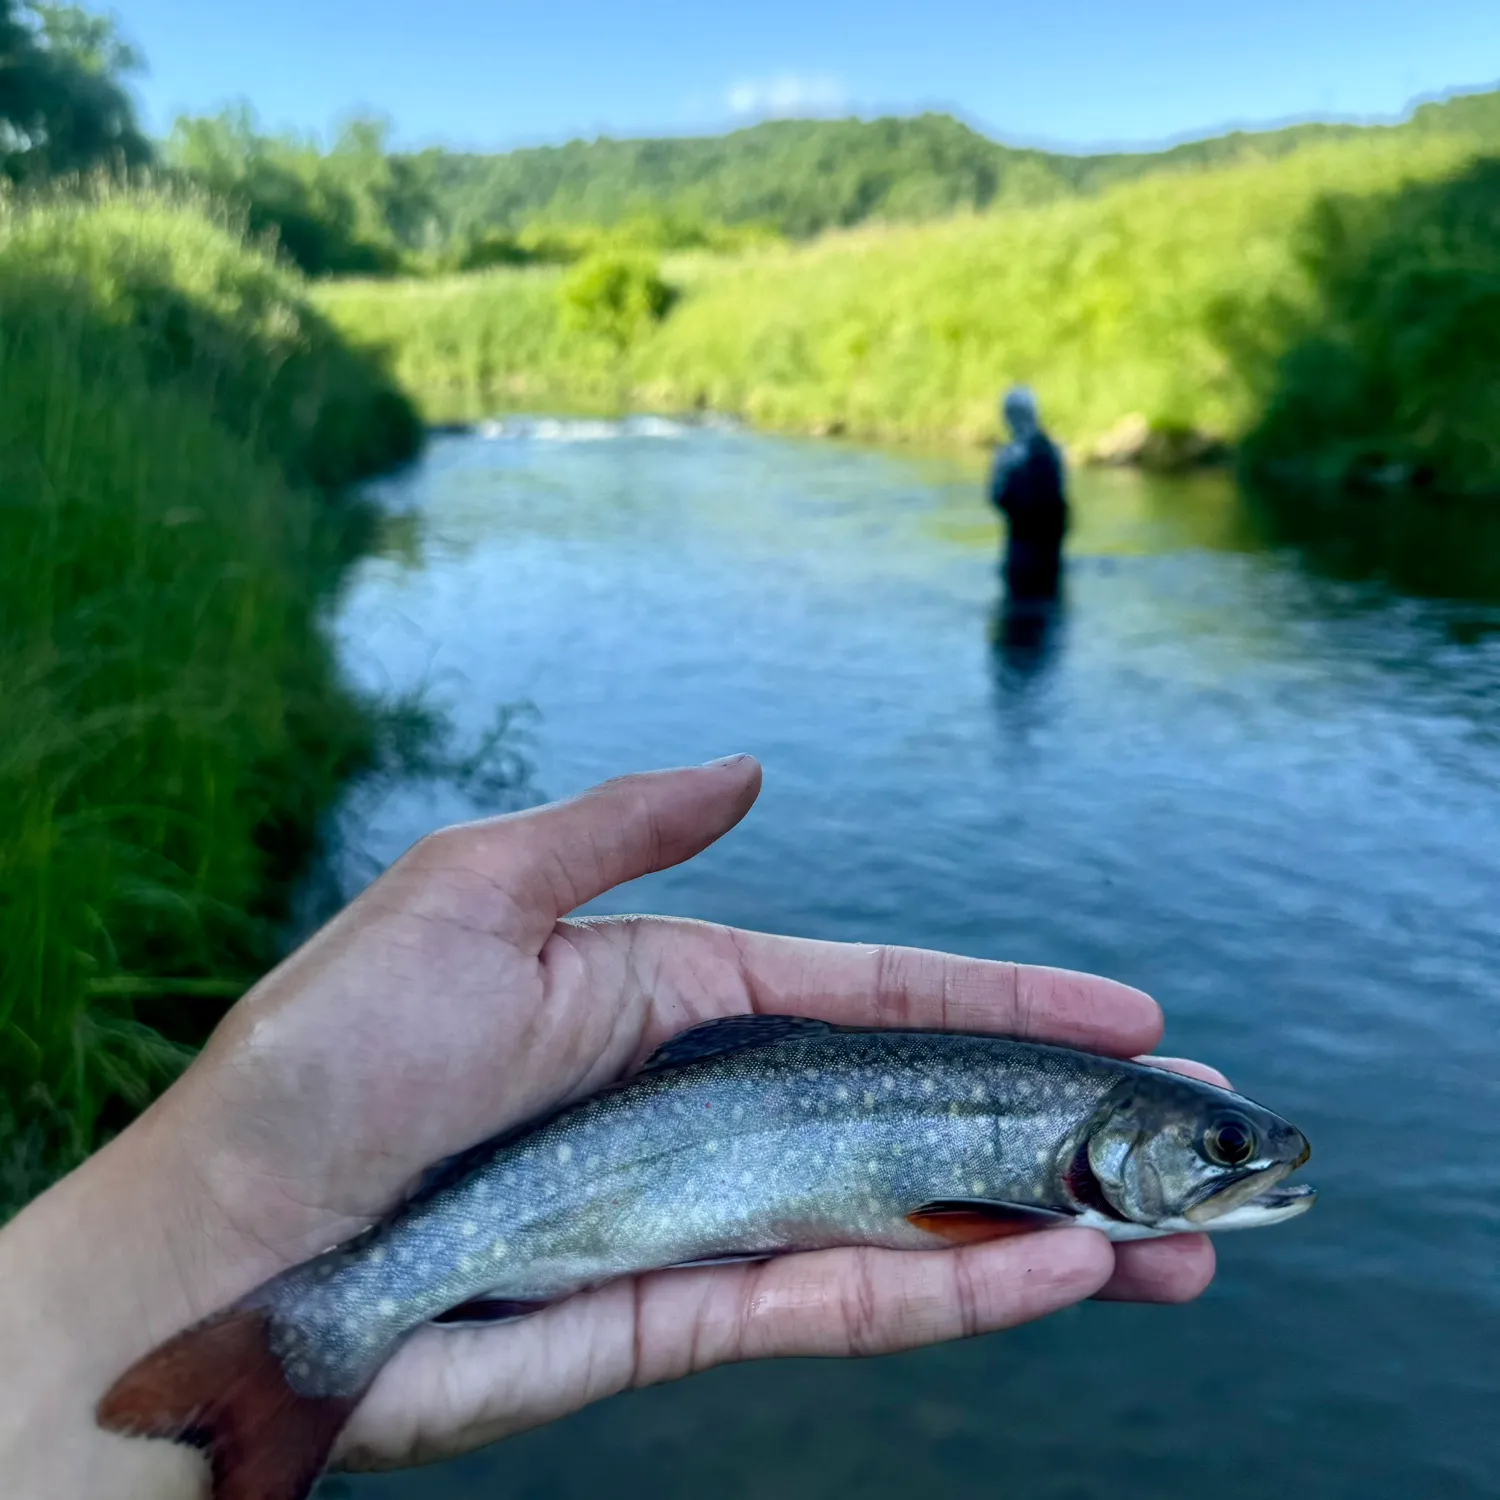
[
  {"x": 968, "y": 1221},
  {"x": 219, "y": 1387}
]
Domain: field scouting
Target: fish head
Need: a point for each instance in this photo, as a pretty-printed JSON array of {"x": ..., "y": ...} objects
[{"x": 1170, "y": 1151}]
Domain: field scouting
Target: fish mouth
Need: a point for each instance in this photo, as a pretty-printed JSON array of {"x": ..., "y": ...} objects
[
  {"x": 1257, "y": 1196},
  {"x": 1273, "y": 1207}
]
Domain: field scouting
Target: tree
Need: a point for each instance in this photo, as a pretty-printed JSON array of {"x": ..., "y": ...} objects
[
  {"x": 351, "y": 209},
  {"x": 614, "y": 296},
  {"x": 63, "y": 105}
]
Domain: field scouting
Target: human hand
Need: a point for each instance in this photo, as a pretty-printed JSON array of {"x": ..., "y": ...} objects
[{"x": 451, "y": 1000}]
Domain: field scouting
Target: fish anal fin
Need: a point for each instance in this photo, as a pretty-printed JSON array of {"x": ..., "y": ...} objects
[
  {"x": 218, "y": 1386},
  {"x": 970, "y": 1221},
  {"x": 478, "y": 1311},
  {"x": 730, "y": 1034}
]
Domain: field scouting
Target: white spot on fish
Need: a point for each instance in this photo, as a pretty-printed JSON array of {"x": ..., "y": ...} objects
[
  {"x": 811, "y": 1073},
  {"x": 377, "y": 1255},
  {"x": 351, "y": 1325},
  {"x": 324, "y": 1272},
  {"x": 978, "y": 1188},
  {"x": 869, "y": 1101},
  {"x": 710, "y": 1146},
  {"x": 738, "y": 1112},
  {"x": 841, "y": 1093},
  {"x": 746, "y": 1178},
  {"x": 565, "y": 1153},
  {"x": 403, "y": 1256},
  {"x": 468, "y": 1229},
  {"x": 977, "y": 1093},
  {"x": 887, "y": 1082},
  {"x": 931, "y": 1137},
  {"x": 481, "y": 1190},
  {"x": 302, "y": 1369},
  {"x": 953, "y": 1109},
  {"x": 927, "y": 1085},
  {"x": 498, "y": 1249},
  {"x": 385, "y": 1307},
  {"x": 465, "y": 1262},
  {"x": 895, "y": 1151},
  {"x": 1041, "y": 1157},
  {"x": 872, "y": 1166}
]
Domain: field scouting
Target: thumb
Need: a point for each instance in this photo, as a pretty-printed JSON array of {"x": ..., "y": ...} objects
[{"x": 552, "y": 859}]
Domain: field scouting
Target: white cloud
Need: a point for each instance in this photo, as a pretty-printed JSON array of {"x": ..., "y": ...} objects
[{"x": 787, "y": 94}]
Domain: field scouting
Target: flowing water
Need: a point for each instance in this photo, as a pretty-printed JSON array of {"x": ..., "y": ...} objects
[{"x": 1254, "y": 769}]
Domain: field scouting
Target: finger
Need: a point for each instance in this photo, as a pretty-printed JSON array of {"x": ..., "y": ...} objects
[
  {"x": 1176, "y": 1269},
  {"x": 866, "y": 1301},
  {"x": 883, "y": 986},
  {"x": 1189, "y": 1068},
  {"x": 549, "y": 860},
  {"x": 446, "y": 1391}
]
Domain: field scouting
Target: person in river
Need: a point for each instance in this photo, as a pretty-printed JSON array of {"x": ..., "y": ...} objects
[
  {"x": 449, "y": 1002},
  {"x": 1027, "y": 487}
]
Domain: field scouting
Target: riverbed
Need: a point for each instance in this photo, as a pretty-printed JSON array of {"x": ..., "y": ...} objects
[{"x": 1257, "y": 776}]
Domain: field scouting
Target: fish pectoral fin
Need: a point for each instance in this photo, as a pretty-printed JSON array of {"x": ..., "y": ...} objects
[
  {"x": 480, "y": 1310},
  {"x": 968, "y": 1221},
  {"x": 730, "y": 1034}
]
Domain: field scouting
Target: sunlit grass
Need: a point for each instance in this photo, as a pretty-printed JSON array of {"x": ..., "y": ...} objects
[
  {"x": 174, "y": 418},
  {"x": 1110, "y": 306}
]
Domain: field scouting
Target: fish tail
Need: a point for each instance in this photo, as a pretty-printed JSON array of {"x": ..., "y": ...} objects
[{"x": 219, "y": 1386}]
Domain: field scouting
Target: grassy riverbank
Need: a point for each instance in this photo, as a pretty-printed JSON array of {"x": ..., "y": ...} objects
[
  {"x": 176, "y": 425},
  {"x": 1128, "y": 302}
]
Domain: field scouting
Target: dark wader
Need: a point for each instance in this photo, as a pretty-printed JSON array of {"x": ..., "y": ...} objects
[{"x": 1028, "y": 491}]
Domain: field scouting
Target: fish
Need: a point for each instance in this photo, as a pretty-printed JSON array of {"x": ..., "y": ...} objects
[{"x": 739, "y": 1139}]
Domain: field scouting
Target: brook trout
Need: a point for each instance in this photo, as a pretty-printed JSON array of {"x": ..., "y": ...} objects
[{"x": 740, "y": 1139}]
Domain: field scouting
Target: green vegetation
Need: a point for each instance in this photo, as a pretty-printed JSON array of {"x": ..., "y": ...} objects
[
  {"x": 174, "y": 423},
  {"x": 62, "y": 107},
  {"x": 1119, "y": 303},
  {"x": 802, "y": 177},
  {"x": 614, "y": 297},
  {"x": 358, "y": 209},
  {"x": 1384, "y": 371},
  {"x": 352, "y": 209}
]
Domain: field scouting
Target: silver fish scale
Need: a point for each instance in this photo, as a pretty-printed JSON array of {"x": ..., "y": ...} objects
[{"x": 802, "y": 1144}]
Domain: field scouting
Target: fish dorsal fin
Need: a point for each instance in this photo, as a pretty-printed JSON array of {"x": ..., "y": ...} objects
[{"x": 730, "y": 1034}]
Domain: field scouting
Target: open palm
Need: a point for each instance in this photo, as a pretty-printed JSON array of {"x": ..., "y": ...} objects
[{"x": 451, "y": 1001}]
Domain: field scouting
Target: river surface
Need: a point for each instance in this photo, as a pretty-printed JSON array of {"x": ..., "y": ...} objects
[{"x": 1254, "y": 770}]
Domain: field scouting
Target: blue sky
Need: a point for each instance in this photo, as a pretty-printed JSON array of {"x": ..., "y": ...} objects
[{"x": 1068, "y": 72}]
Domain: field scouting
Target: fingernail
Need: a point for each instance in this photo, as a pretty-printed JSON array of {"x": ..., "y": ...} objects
[{"x": 726, "y": 760}]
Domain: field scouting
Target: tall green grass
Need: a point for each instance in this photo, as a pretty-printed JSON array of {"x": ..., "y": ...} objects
[
  {"x": 1385, "y": 373},
  {"x": 175, "y": 420},
  {"x": 1110, "y": 306}
]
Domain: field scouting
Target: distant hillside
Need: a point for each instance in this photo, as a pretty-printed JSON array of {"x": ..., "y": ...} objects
[{"x": 803, "y": 176}]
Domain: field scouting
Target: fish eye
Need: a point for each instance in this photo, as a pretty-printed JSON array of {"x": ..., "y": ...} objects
[{"x": 1230, "y": 1142}]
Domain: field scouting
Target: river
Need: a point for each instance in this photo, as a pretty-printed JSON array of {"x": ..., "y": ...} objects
[{"x": 1254, "y": 770}]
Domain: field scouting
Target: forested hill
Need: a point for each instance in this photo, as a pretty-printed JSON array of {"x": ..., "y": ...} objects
[{"x": 801, "y": 176}]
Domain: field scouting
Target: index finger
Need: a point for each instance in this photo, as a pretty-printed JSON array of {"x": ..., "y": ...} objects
[{"x": 855, "y": 984}]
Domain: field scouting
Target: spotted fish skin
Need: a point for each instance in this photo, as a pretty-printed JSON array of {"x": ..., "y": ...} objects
[
  {"x": 814, "y": 1137},
  {"x": 749, "y": 1136}
]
